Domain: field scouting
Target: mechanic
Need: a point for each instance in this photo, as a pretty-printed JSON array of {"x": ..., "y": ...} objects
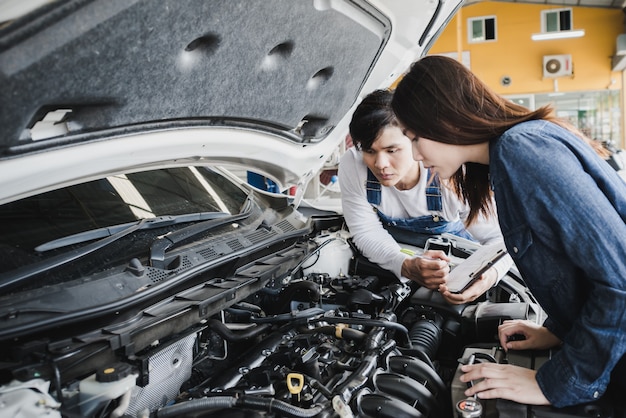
[
  {"x": 562, "y": 211},
  {"x": 379, "y": 172}
]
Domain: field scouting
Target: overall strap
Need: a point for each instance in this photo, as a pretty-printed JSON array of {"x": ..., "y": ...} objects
[
  {"x": 433, "y": 191},
  {"x": 372, "y": 188},
  {"x": 433, "y": 194}
]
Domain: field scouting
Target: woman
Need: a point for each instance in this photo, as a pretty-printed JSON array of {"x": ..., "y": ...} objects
[
  {"x": 562, "y": 211},
  {"x": 387, "y": 198}
]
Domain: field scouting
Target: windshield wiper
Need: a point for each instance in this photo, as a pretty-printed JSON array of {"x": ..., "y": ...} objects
[
  {"x": 165, "y": 242},
  {"x": 110, "y": 234},
  {"x": 16, "y": 276},
  {"x": 108, "y": 231}
]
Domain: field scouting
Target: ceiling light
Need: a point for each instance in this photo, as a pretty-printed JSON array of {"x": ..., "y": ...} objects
[{"x": 562, "y": 34}]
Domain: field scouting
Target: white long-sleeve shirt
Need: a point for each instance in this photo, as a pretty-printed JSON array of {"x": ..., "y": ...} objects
[{"x": 367, "y": 231}]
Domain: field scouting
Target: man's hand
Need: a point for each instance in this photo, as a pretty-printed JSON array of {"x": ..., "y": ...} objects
[
  {"x": 431, "y": 270},
  {"x": 530, "y": 336},
  {"x": 503, "y": 381},
  {"x": 485, "y": 282}
]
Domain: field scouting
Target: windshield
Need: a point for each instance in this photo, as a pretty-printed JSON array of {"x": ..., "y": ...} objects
[{"x": 111, "y": 201}]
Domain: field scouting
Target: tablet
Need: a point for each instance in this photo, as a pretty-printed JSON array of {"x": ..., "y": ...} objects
[{"x": 464, "y": 274}]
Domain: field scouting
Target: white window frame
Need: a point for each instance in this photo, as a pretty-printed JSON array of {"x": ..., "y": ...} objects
[
  {"x": 470, "y": 27},
  {"x": 544, "y": 19}
]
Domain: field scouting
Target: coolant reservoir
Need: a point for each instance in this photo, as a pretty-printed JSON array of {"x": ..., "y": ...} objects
[
  {"x": 334, "y": 255},
  {"x": 105, "y": 385}
]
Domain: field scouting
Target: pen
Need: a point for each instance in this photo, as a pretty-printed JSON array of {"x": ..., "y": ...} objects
[
  {"x": 412, "y": 254},
  {"x": 425, "y": 257}
]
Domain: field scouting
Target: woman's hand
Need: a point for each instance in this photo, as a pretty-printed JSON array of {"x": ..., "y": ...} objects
[
  {"x": 525, "y": 335},
  {"x": 430, "y": 271},
  {"x": 485, "y": 282},
  {"x": 503, "y": 381}
]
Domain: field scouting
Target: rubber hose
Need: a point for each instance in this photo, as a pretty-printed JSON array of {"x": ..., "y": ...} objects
[
  {"x": 196, "y": 405},
  {"x": 271, "y": 405},
  {"x": 369, "y": 322},
  {"x": 425, "y": 335}
]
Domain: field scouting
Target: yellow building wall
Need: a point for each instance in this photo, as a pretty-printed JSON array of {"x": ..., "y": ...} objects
[{"x": 515, "y": 55}]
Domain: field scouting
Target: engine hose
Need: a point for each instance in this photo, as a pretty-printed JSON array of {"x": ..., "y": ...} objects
[
  {"x": 425, "y": 336},
  {"x": 366, "y": 369},
  {"x": 196, "y": 406},
  {"x": 193, "y": 406},
  {"x": 368, "y": 366},
  {"x": 338, "y": 331},
  {"x": 239, "y": 314},
  {"x": 358, "y": 379},
  {"x": 316, "y": 384},
  {"x": 369, "y": 322},
  {"x": 290, "y": 317},
  {"x": 244, "y": 310},
  {"x": 230, "y": 336},
  {"x": 274, "y": 405},
  {"x": 387, "y": 348}
]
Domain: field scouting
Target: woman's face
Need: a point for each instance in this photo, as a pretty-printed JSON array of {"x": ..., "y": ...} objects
[
  {"x": 391, "y": 159},
  {"x": 443, "y": 159}
]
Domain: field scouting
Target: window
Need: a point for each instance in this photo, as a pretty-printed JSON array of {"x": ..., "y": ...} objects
[
  {"x": 556, "y": 20},
  {"x": 526, "y": 100},
  {"x": 481, "y": 29}
]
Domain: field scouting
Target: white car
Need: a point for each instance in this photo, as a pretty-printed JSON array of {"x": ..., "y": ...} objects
[{"x": 140, "y": 276}]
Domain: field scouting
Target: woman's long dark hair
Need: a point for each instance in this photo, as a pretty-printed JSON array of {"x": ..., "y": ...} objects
[{"x": 440, "y": 99}]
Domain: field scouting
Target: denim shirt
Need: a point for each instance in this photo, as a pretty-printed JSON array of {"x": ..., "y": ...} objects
[{"x": 562, "y": 211}]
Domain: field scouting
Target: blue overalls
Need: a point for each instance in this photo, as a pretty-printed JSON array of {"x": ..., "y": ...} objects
[{"x": 415, "y": 231}]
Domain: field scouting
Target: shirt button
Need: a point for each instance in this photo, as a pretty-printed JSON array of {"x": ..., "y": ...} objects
[
  {"x": 515, "y": 250},
  {"x": 596, "y": 394}
]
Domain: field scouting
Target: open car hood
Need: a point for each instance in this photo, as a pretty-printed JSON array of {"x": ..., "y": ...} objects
[{"x": 97, "y": 87}]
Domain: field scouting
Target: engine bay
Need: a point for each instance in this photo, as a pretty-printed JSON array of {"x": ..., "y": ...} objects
[{"x": 325, "y": 334}]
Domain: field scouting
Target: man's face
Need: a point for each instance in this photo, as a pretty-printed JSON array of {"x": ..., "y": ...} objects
[{"x": 390, "y": 159}]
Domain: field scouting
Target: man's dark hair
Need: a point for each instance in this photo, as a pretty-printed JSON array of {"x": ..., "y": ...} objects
[{"x": 371, "y": 116}]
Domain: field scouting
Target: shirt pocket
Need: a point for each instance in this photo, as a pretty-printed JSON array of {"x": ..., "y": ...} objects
[
  {"x": 542, "y": 271},
  {"x": 518, "y": 241}
]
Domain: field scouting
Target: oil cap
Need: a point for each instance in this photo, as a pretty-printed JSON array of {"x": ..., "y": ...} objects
[{"x": 469, "y": 408}]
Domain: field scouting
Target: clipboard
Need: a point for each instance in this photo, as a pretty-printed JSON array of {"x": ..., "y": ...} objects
[{"x": 470, "y": 270}]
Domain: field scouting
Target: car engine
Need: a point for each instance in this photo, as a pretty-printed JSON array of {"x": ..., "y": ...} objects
[{"x": 327, "y": 334}]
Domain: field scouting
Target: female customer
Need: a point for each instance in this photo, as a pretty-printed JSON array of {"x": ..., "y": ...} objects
[{"x": 562, "y": 211}]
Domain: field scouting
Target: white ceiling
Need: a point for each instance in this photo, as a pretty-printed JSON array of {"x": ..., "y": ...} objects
[{"x": 613, "y": 4}]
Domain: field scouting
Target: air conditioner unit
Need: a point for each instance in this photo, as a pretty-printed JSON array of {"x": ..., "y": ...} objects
[{"x": 557, "y": 65}]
